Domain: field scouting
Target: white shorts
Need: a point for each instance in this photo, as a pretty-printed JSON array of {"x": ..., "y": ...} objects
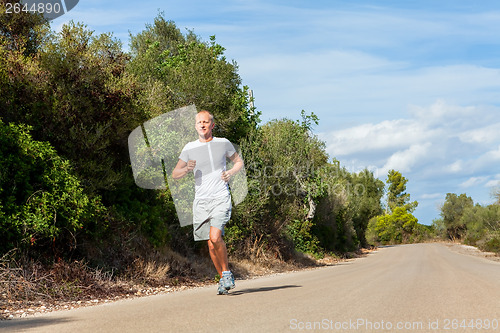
[{"x": 210, "y": 213}]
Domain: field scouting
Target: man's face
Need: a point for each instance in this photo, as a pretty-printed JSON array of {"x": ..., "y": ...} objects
[{"x": 204, "y": 125}]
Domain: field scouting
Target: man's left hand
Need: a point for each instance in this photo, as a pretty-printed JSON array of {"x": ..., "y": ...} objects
[{"x": 226, "y": 176}]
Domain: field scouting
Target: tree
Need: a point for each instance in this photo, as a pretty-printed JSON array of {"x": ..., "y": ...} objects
[
  {"x": 21, "y": 37},
  {"x": 396, "y": 227},
  {"x": 23, "y": 32},
  {"x": 334, "y": 221},
  {"x": 400, "y": 225},
  {"x": 396, "y": 195},
  {"x": 187, "y": 71},
  {"x": 366, "y": 201},
  {"x": 91, "y": 103},
  {"x": 76, "y": 95},
  {"x": 288, "y": 177},
  {"x": 480, "y": 222},
  {"x": 439, "y": 227},
  {"x": 452, "y": 212}
]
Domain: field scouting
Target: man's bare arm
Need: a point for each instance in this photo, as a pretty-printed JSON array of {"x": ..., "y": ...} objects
[
  {"x": 182, "y": 168},
  {"x": 238, "y": 165}
]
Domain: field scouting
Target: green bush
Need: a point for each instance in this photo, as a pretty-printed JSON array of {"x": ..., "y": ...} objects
[
  {"x": 482, "y": 224},
  {"x": 492, "y": 244},
  {"x": 41, "y": 201},
  {"x": 396, "y": 228},
  {"x": 304, "y": 240}
]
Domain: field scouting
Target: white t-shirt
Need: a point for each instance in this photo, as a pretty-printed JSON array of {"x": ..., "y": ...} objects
[{"x": 210, "y": 160}]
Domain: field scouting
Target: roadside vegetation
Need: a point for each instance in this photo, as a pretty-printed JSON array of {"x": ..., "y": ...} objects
[
  {"x": 73, "y": 223},
  {"x": 472, "y": 224},
  {"x": 398, "y": 225}
]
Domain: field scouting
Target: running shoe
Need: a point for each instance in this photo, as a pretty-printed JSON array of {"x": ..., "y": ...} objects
[
  {"x": 221, "y": 290},
  {"x": 228, "y": 280}
]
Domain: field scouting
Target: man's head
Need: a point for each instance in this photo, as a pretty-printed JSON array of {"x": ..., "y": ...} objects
[{"x": 204, "y": 124}]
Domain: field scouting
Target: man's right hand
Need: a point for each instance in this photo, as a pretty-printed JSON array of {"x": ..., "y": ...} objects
[{"x": 182, "y": 168}]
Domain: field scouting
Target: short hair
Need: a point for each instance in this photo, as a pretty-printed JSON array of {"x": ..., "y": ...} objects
[{"x": 209, "y": 113}]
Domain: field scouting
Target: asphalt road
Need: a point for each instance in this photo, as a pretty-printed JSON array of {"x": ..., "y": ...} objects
[{"x": 409, "y": 288}]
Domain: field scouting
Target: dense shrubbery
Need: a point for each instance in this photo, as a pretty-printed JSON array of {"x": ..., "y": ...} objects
[
  {"x": 42, "y": 203},
  {"x": 474, "y": 224}
]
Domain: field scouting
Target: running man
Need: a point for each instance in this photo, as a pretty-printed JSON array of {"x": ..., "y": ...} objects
[{"x": 206, "y": 157}]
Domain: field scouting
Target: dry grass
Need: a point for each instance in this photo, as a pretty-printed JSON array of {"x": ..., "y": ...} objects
[
  {"x": 27, "y": 285},
  {"x": 165, "y": 266}
]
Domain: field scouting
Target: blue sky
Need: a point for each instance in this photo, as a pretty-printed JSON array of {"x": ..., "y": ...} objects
[{"x": 406, "y": 85}]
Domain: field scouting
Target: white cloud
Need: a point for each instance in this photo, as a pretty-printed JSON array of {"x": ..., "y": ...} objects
[
  {"x": 487, "y": 134},
  {"x": 385, "y": 135},
  {"x": 494, "y": 154},
  {"x": 473, "y": 181},
  {"x": 403, "y": 161},
  {"x": 430, "y": 138},
  {"x": 493, "y": 183},
  {"x": 486, "y": 159},
  {"x": 440, "y": 113}
]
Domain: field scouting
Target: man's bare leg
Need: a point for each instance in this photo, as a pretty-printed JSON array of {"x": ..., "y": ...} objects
[{"x": 218, "y": 251}]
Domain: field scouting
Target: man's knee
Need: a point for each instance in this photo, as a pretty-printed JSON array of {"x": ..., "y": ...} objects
[{"x": 215, "y": 236}]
